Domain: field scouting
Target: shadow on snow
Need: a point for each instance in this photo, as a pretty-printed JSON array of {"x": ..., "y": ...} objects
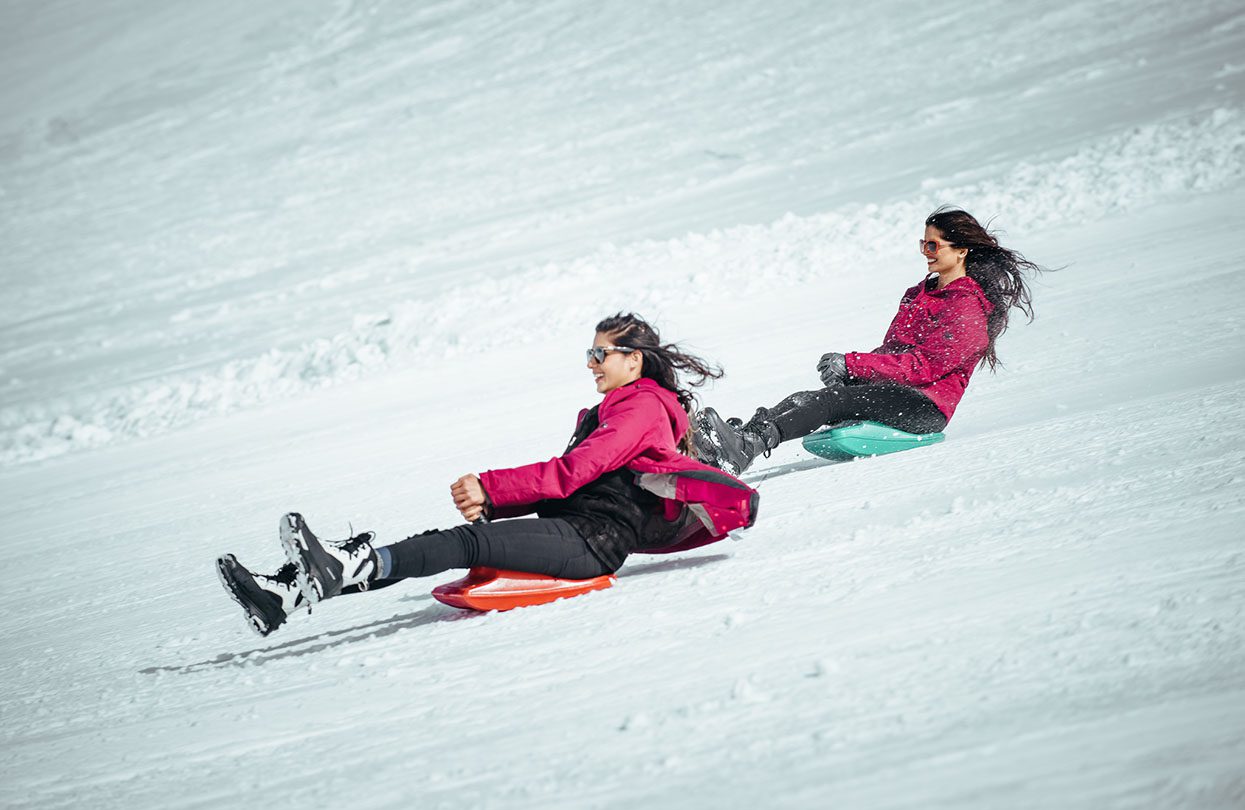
[
  {"x": 756, "y": 477},
  {"x": 433, "y": 614}
]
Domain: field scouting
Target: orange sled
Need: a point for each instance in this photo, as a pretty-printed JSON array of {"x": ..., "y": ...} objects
[{"x": 497, "y": 589}]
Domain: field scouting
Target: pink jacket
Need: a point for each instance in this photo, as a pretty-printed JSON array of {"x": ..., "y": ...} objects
[
  {"x": 934, "y": 343},
  {"x": 640, "y": 426}
]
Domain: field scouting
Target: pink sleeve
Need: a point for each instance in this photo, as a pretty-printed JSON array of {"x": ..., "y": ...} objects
[
  {"x": 958, "y": 337},
  {"x": 619, "y": 439}
]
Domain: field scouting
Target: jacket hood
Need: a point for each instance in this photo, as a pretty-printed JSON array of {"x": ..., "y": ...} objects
[{"x": 647, "y": 387}]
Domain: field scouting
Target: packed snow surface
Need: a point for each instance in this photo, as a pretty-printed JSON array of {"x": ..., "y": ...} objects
[{"x": 328, "y": 256}]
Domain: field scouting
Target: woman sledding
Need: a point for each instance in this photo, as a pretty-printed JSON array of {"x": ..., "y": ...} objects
[
  {"x": 622, "y": 485},
  {"x": 946, "y": 326}
]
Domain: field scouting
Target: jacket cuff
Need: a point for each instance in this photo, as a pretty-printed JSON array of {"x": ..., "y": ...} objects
[
  {"x": 857, "y": 366},
  {"x": 496, "y": 489},
  {"x": 488, "y": 509},
  {"x": 489, "y": 484}
]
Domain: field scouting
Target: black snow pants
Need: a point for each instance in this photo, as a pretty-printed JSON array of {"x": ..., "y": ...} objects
[
  {"x": 896, "y": 406},
  {"x": 534, "y": 545}
]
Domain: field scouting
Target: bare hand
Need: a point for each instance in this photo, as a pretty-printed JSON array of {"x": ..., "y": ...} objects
[{"x": 469, "y": 498}]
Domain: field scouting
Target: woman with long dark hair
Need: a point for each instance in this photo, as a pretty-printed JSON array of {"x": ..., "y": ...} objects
[
  {"x": 946, "y": 326},
  {"x": 622, "y": 485}
]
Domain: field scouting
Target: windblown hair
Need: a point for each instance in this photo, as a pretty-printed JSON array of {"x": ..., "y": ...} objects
[
  {"x": 663, "y": 362},
  {"x": 999, "y": 272}
]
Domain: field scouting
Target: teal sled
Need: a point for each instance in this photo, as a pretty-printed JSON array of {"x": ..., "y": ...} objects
[{"x": 850, "y": 440}]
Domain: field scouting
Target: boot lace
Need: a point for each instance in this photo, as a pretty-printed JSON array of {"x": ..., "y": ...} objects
[
  {"x": 361, "y": 543},
  {"x": 354, "y": 544}
]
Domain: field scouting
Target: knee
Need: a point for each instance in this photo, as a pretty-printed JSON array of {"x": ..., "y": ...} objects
[{"x": 467, "y": 540}]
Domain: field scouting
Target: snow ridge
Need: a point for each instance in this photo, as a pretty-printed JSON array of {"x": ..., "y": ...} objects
[{"x": 1107, "y": 178}]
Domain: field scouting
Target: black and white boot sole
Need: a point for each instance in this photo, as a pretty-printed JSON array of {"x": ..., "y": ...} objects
[
  {"x": 303, "y": 548},
  {"x": 711, "y": 425},
  {"x": 254, "y": 617},
  {"x": 707, "y": 441}
]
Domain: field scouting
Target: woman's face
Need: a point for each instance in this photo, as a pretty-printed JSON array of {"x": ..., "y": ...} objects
[
  {"x": 617, "y": 369},
  {"x": 943, "y": 258}
]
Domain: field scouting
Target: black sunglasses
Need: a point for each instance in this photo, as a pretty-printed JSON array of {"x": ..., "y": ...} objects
[{"x": 598, "y": 352}]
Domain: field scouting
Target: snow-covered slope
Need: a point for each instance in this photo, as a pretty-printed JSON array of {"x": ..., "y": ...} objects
[{"x": 301, "y": 256}]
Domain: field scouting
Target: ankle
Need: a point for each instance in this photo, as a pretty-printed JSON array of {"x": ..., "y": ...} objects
[{"x": 384, "y": 562}]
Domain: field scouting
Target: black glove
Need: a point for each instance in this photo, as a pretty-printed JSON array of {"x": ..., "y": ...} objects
[{"x": 833, "y": 369}]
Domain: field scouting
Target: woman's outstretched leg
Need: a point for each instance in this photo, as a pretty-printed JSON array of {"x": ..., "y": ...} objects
[
  {"x": 804, "y": 412},
  {"x": 733, "y": 446},
  {"x": 537, "y": 545},
  {"x": 534, "y": 545}
]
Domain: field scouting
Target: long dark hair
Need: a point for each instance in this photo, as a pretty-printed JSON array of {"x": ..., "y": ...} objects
[
  {"x": 662, "y": 361},
  {"x": 999, "y": 272}
]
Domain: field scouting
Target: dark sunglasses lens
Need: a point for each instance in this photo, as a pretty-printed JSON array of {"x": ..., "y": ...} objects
[{"x": 596, "y": 353}]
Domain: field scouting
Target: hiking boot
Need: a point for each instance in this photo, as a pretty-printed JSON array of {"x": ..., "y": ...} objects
[
  {"x": 733, "y": 448},
  {"x": 325, "y": 569},
  {"x": 268, "y": 600}
]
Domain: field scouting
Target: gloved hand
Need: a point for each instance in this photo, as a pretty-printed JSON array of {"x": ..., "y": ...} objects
[{"x": 833, "y": 369}]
